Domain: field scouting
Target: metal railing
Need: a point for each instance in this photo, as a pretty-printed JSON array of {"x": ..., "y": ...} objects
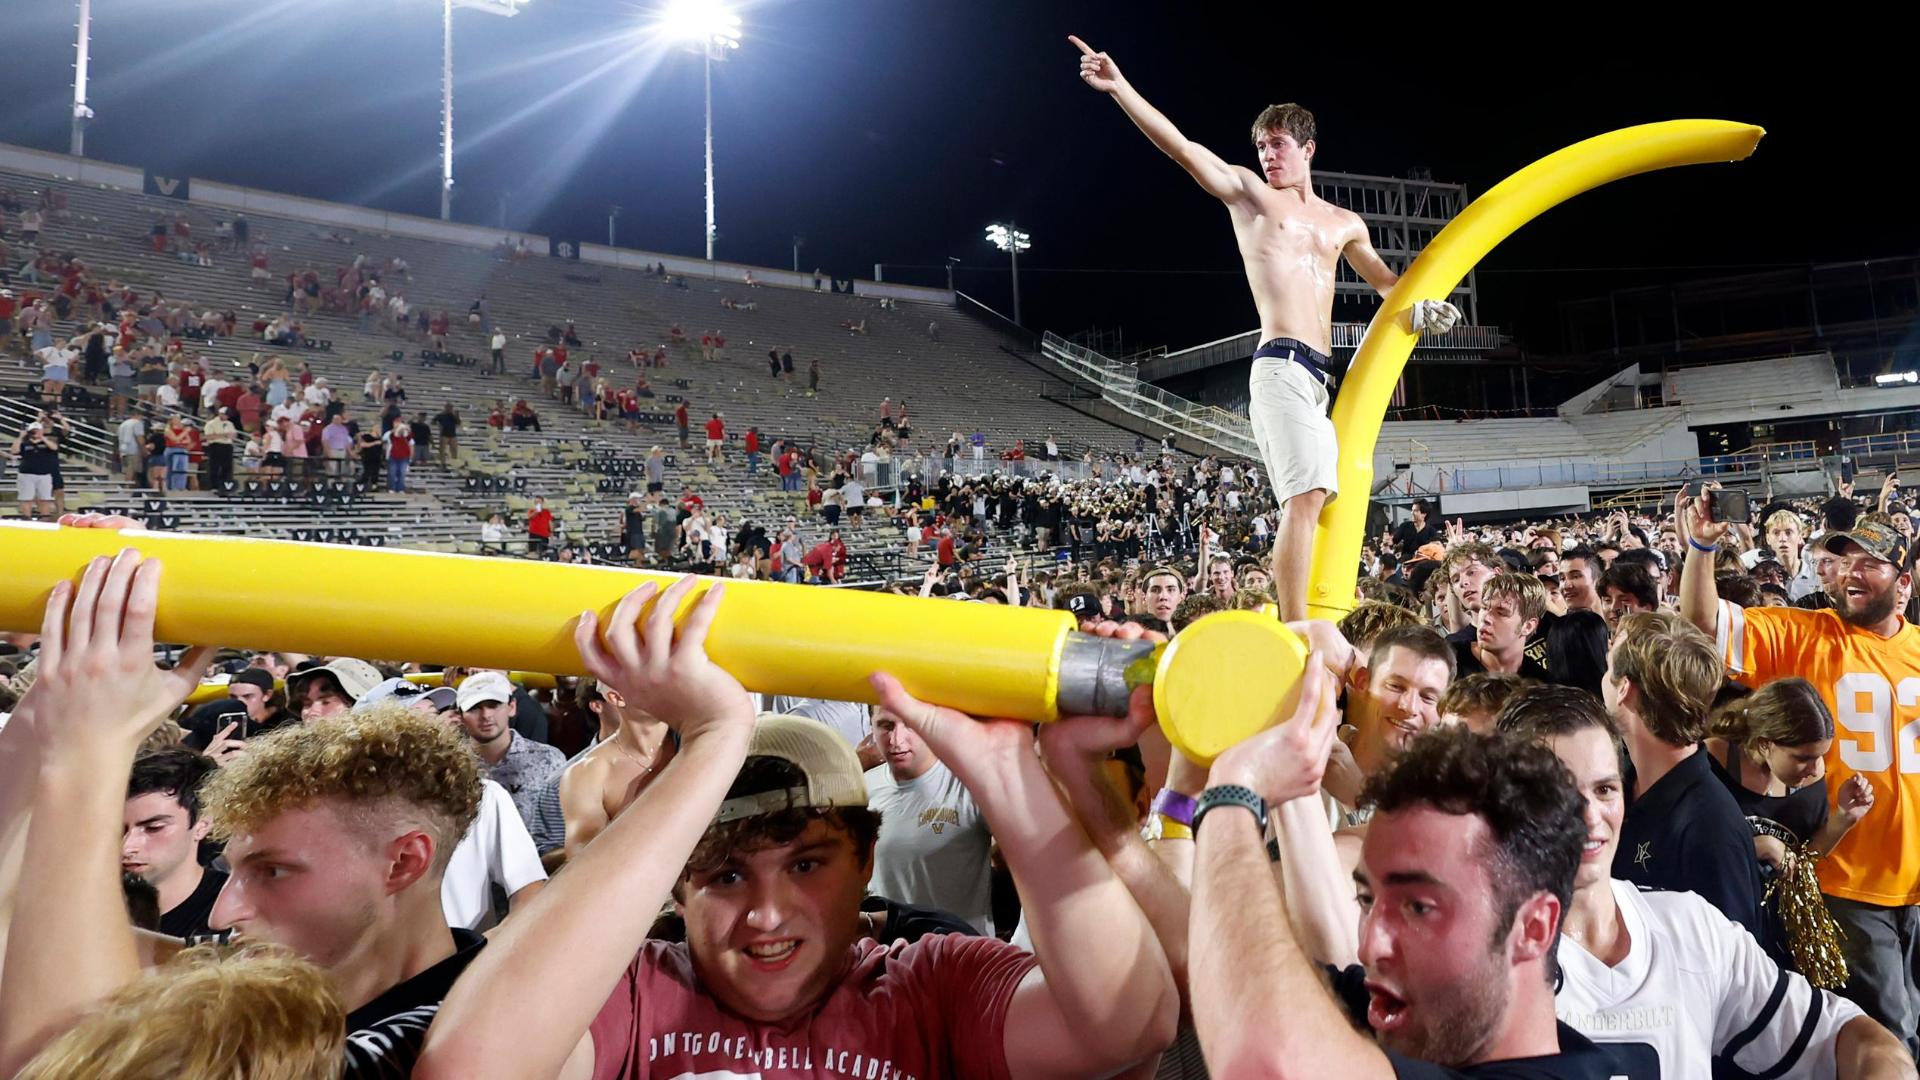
[
  {"x": 1121, "y": 387},
  {"x": 84, "y": 442},
  {"x": 1571, "y": 472},
  {"x": 1346, "y": 335},
  {"x": 886, "y": 475}
]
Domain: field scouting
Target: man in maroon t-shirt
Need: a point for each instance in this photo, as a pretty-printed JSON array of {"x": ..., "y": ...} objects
[
  {"x": 759, "y": 831},
  {"x": 716, "y": 438},
  {"x": 680, "y": 421}
]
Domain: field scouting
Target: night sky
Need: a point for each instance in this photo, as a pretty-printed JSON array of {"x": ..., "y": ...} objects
[{"x": 894, "y": 131}]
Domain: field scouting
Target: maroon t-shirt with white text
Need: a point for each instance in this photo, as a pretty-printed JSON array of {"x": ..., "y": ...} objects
[{"x": 922, "y": 1010}]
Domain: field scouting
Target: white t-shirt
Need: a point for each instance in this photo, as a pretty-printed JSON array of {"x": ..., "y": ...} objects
[
  {"x": 167, "y": 396},
  {"x": 289, "y": 410},
  {"x": 933, "y": 844},
  {"x": 497, "y": 850},
  {"x": 1692, "y": 983}
]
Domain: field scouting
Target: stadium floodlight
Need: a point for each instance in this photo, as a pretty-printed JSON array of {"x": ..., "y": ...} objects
[
  {"x": 1897, "y": 378},
  {"x": 701, "y": 23},
  {"x": 491, "y": 7},
  {"x": 83, "y": 31},
  {"x": 709, "y": 28},
  {"x": 1012, "y": 241}
]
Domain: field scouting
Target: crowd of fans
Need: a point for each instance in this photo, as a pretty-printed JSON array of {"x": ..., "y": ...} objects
[
  {"x": 1514, "y": 734},
  {"x": 1618, "y": 794}
]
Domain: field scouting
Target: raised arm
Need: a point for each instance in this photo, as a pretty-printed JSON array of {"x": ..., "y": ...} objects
[
  {"x": 97, "y": 677},
  {"x": 1074, "y": 750},
  {"x": 1699, "y": 598},
  {"x": 582, "y": 931},
  {"x": 1101, "y": 998},
  {"x": 1259, "y": 1003},
  {"x": 1221, "y": 180}
]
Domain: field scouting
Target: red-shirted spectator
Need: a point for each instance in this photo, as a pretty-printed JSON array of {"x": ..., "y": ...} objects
[
  {"x": 680, "y": 421},
  {"x": 539, "y": 525},
  {"x": 783, "y": 464},
  {"x": 399, "y": 440},
  {"x": 752, "y": 446},
  {"x": 248, "y": 406},
  {"x": 497, "y": 419},
  {"x": 944, "y": 550},
  {"x": 716, "y": 438}
]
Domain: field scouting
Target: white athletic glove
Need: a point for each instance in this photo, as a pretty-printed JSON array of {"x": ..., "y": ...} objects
[{"x": 1433, "y": 316}]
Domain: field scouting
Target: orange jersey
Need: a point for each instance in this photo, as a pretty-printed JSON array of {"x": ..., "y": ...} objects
[{"x": 1872, "y": 684}]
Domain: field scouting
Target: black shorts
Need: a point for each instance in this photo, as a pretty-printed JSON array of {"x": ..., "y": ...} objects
[
  {"x": 856, "y": 511},
  {"x": 274, "y": 460}
]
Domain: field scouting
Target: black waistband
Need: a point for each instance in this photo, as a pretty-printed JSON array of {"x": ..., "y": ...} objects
[{"x": 1306, "y": 355}]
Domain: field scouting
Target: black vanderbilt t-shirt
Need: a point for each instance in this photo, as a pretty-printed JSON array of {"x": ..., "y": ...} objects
[
  {"x": 1578, "y": 1059},
  {"x": 384, "y": 1035},
  {"x": 188, "y": 918}
]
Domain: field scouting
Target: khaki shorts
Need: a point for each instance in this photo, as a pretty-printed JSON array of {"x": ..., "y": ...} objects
[
  {"x": 1288, "y": 407},
  {"x": 34, "y": 487}
]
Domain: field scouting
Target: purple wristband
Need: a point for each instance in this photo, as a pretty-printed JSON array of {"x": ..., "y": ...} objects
[{"x": 1175, "y": 806}]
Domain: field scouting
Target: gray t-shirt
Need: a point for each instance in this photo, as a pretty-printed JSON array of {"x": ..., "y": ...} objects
[
  {"x": 933, "y": 844},
  {"x": 849, "y": 718}
]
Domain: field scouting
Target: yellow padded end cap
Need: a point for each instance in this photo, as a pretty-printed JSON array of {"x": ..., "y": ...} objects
[{"x": 1227, "y": 676}]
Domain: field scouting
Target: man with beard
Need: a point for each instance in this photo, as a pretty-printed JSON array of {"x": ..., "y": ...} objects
[
  {"x": 1865, "y": 661},
  {"x": 1466, "y": 873}
]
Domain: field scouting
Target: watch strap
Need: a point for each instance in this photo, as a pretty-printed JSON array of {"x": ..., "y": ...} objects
[{"x": 1230, "y": 795}]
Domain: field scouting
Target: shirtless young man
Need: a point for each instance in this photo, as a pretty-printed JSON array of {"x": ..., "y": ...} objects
[
  {"x": 1291, "y": 241},
  {"x": 608, "y": 777}
]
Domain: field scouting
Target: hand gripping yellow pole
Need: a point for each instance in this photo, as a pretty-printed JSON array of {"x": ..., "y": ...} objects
[
  {"x": 388, "y": 603},
  {"x": 1376, "y": 367}
]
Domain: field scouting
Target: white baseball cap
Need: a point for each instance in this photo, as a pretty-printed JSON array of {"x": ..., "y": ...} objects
[{"x": 483, "y": 687}]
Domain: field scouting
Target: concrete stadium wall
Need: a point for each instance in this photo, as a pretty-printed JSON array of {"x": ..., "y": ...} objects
[
  {"x": 63, "y": 167},
  {"x": 319, "y": 211}
]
